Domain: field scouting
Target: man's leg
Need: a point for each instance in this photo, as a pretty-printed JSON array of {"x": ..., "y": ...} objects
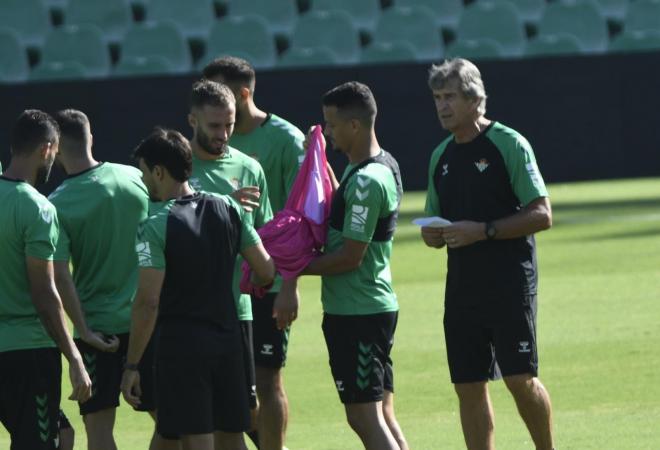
[
  {"x": 390, "y": 419},
  {"x": 477, "y": 418},
  {"x": 534, "y": 406},
  {"x": 67, "y": 434},
  {"x": 368, "y": 422},
  {"x": 99, "y": 426},
  {"x": 197, "y": 441},
  {"x": 273, "y": 409},
  {"x": 229, "y": 441}
]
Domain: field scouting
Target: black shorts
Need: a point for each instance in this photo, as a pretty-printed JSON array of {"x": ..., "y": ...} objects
[
  {"x": 105, "y": 370},
  {"x": 359, "y": 350},
  {"x": 248, "y": 361},
  {"x": 199, "y": 395},
  {"x": 270, "y": 344},
  {"x": 147, "y": 370},
  {"x": 30, "y": 390},
  {"x": 480, "y": 343},
  {"x": 63, "y": 421}
]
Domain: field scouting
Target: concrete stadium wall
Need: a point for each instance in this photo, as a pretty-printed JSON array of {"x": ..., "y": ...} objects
[{"x": 587, "y": 118}]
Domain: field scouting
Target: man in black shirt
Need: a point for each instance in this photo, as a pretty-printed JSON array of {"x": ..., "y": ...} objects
[{"x": 484, "y": 179}]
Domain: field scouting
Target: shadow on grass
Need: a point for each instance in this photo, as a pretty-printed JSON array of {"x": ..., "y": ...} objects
[{"x": 654, "y": 232}]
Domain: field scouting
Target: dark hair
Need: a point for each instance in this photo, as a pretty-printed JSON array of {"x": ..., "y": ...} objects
[
  {"x": 33, "y": 129},
  {"x": 232, "y": 70},
  {"x": 207, "y": 92},
  {"x": 74, "y": 126},
  {"x": 353, "y": 100},
  {"x": 167, "y": 148}
]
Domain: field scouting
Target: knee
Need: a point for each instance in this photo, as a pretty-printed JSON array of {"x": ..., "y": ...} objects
[
  {"x": 355, "y": 421},
  {"x": 521, "y": 385},
  {"x": 269, "y": 383},
  {"x": 472, "y": 393}
]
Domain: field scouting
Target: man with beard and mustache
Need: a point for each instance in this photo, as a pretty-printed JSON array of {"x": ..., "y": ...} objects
[
  {"x": 221, "y": 169},
  {"x": 278, "y": 146},
  {"x": 32, "y": 325},
  {"x": 99, "y": 207}
]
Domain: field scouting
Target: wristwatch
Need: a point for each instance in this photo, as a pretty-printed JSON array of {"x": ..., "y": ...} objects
[{"x": 491, "y": 231}]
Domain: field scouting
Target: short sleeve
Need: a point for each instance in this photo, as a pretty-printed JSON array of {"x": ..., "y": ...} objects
[
  {"x": 264, "y": 212},
  {"x": 249, "y": 235},
  {"x": 365, "y": 199},
  {"x": 41, "y": 231},
  {"x": 294, "y": 155},
  {"x": 150, "y": 245},
  {"x": 63, "y": 248},
  {"x": 526, "y": 179},
  {"x": 432, "y": 205}
]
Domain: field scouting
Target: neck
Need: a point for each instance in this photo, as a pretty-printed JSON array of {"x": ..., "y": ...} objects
[
  {"x": 470, "y": 130},
  {"x": 202, "y": 154},
  {"x": 76, "y": 165},
  {"x": 250, "y": 119},
  {"x": 177, "y": 190},
  {"x": 364, "y": 148},
  {"x": 21, "y": 169}
]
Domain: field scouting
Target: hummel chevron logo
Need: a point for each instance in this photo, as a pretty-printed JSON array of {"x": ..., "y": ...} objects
[
  {"x": 363, "y": 182},
  {"x": 361, "y": 195},
  {"x": 267, "y": 349},
  {"x": 445, "y": 169}
]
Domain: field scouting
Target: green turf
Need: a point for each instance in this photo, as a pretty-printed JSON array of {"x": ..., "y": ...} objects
[{"x": 598, "y": 336}]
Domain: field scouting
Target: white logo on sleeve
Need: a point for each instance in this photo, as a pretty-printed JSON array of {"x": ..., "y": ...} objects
[
  {"x": 144, "y": 253},
  {"x": 359, "y": 218},
  {"x": 46, "y": 213},
  {"x": 534, "y": 174},
  {"x": 361, "y": 195},
  {"x": 363, "y": 182}
]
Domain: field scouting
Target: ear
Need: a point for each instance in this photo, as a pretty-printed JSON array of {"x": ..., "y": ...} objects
[
  {"x": 44, "y": 149},
  {"x": 244, "y": 93},
  {"x": 158, "y": 172},
  {"x": 192, "y": 120},
  {"x": 355, "y": 125}
]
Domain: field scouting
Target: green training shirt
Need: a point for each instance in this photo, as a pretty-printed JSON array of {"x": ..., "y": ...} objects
[
  {"x": 278, "y": 146},
  {"x": 28, "y": 227},
  {"x": 224, "y": 175},
  {"x": 370, "y": 194},
  {"x": 99, "y": 211}
]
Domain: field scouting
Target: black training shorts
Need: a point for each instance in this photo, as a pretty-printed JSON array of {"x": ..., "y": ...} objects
[
  {"x": 248, "y": 361},
  {"x": 270, "y": 344}
]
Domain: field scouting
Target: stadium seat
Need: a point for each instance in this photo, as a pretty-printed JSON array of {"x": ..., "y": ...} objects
[
  {"x": 158, "y": 39},
  {"x": 307, "y": 57},
  {"x": 529, "y": 10},
  {"x": 331, "y": 29},
  {"x": 281, "y": 15},
  {"x": 28, "y": 18},
  {"x": 13, "y": 58},
  {"x": 142, "y": 65},
  {"x": 642, "y": 15},
  {"x": 484, "y": 48},
  {"x": 113, "y": 17},
  {"x": 553, "y": 44},
  {"x": 413, "y": 25},
  {"x": 613, "y": 9},
  {"x": 581, "y": 18},
  {"x": 69, "y": 70},
  {"x": 228, "y": 37},
  {"x": 445, "y": 13},
  {"x": 364, "y": 13},
  {"x": 83, "y": 44},
  {"x": 193, "y": 17},
  {"x": 494, "y": 20},
  {"x": 636, "y": 41},
  {"x": 381, "y": 52}
]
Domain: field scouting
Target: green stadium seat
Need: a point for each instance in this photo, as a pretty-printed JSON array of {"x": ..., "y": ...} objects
[
  {"x": 636, "y": 41},
  {"x": 14, "y": 65},
  {"x": 69, "y": 70},
  {"x": 364, "y": 13},
  {"x": 247, "y": 35},
  {"x": 113, "y": 17},
  {"x": 280, "y": 14},
  {"x": 331, "y": 29},
  {"x": 484, "y": 48},
  {"x": 309, "y": 57},
  {"x": 498, "y": 21},
  {"x": 142, "y": 66},
  {"x": 642, "y": 15},
  {"x": 158, "y": 39},
  {"x": 414, "y": 25},
  {"x": 83, "y": 44},
  {"x": 613, "y": 9},
  {"x": 193, "y": 17},
  {"x": 382, "y": 52},
  {"x": 529, "y": 10},
  {"x": 28, "y": 18},
  {"x": 445, "y": 13},
  {"x": 553, "y": 44},
  {"x": 581, "y": 18}
]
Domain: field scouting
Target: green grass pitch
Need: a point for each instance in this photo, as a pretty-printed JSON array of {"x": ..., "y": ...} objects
[{"x": 599, "y": 330}]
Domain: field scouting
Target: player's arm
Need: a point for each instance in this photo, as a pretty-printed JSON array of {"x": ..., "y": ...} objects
[
  {"x": 143, "y": 321},
  {"x": 71, "y": 303},
  {"x": 346, "y": 258},
  {"x": 262, "y": 265},
  {"x": 49, "y": 308}
]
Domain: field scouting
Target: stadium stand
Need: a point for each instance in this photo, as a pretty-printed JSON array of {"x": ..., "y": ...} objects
[
  {"x": 194, "y": 18},
  {"x": 112, "y": 17},
  {"x": 413, "y": 25},
  {"x": 384, "y": 52},
  {"x": 28, "y": 18},
  {"x": 228, "y": 36},
  {"x": 158, "y": 39},
  {"x": 445, "y": 13},
  {"x": 13, "y": 58},
  {"x": 613, "y": 9},
  {"x": 142, "y": 65},
  {"x": 529, "y": 10},
  {"x": 301, "y": 57},
  {"x": 281, "y": 15},
  {"x": 643, "y": 15},
  {"x": 553, "y": 44},
  {"x": 364, "y": 13},
  {"x": 69, "y": 70},
  {"x": 332, "y": 29},
  {"x": 498, "y": 21},
  {"x": 581, "y": 18},
  {"x": 483, "y": 48},
  {"x": 82, "y": 44},
  {"x": 636, "y": 41}
]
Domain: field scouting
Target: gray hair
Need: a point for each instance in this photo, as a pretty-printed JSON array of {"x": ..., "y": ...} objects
[{"x": 467, "y": 75}]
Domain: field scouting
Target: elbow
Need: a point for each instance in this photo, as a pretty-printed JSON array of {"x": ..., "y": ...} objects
[
  {"x": 266, "y": 276},
  {"x": 546, "y": 220}
]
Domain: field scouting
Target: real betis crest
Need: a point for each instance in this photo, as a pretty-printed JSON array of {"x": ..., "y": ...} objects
[{"x": 482, "y": 164}]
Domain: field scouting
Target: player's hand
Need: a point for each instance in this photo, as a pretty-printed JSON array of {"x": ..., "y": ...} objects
[
  {"x": 248, "y": 197},
  {"x": 433, "y": 237},
  {"x": 80, "y": 382},
  {"x": 285, "y": 306},
  {"x": 99, "y": 341},
  {"x": 463, "y": 233},
  {"x": 130, "y": 387}
]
